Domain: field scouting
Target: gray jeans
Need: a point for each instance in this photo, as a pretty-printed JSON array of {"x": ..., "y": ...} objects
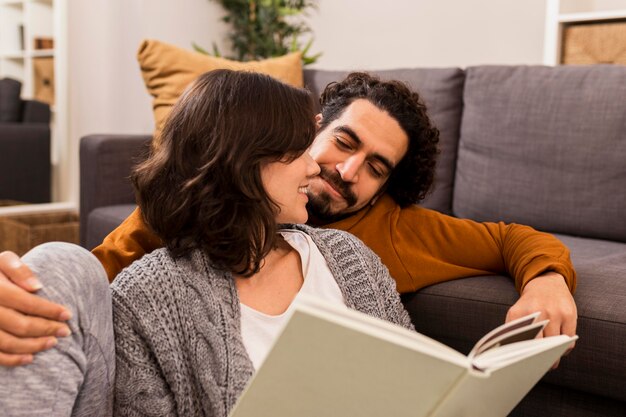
[{"x": 76, "y": 377}]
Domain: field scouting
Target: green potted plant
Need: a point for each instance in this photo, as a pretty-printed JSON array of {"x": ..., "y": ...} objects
[{"x": 266, "y": 28}]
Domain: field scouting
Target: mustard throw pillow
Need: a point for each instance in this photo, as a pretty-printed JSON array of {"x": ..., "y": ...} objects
[{"x": 167, "y": 70}]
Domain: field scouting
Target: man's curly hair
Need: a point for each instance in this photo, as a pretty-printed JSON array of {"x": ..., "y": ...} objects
[{"x": 412, "y": 178}]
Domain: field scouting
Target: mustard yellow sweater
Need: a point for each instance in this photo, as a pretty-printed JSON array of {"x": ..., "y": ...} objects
[{"x": 419, "y": 246}]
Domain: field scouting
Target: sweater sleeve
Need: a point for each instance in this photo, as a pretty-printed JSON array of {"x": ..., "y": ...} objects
[
  {"x": 129, "y": 242},
  {"x": 384, "y": 286},
  {"x": 423, "y": 247},
  {"x": 394, "y": 309},
  {"x": 433, "y": 247},
  {"x": 140, "y": 386}
]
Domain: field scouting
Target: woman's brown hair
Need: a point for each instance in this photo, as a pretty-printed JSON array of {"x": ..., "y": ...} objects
[{"x": 201, "y": 188}]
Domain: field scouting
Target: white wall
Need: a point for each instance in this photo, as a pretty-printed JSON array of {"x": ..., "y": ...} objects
[
  {"x": 374, "y": 34},
  {"x": 106, "y": 91}
]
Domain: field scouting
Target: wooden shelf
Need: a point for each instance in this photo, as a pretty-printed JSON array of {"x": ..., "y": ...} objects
[
  {"x": 592, "y": 16},
  {"x": 42, "y": 53},
  {"x": 16, "y": 3},
  {"x": 13, "y": 55}
]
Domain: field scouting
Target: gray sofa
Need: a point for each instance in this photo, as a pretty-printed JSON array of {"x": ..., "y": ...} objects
[{"x": 534, "y": 145}]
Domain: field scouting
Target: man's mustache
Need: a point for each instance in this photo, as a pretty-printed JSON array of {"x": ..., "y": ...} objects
[{"x": 342, "y": 187}]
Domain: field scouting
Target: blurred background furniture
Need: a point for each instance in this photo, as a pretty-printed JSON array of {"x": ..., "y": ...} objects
[
  {"x": 25, "y": 166},
  {"x": 21, "y": 233}
]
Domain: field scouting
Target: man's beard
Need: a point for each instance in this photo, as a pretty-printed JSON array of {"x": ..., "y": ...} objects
[{"x": 319, "y": 206}]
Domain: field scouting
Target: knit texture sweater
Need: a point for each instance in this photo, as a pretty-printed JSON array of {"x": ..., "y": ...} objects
[{"x": 177, "y": 326}]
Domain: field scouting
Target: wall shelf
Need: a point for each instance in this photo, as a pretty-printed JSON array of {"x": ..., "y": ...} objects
[
  {"x": 592, "y": 16},
  {"x": 13, "y": 55},
  {"x": 15, "y": 3}
]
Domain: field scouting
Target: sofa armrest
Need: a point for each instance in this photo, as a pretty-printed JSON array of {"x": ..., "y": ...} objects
[
  {"x": 34, "y": 111},
  {"x": 106, "y": 162}
]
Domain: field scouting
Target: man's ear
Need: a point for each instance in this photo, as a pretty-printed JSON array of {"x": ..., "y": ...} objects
[{"x": 318, "y": 120}]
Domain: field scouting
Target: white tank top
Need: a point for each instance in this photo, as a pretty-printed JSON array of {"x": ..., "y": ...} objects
[{"x": 259, "y": 330}]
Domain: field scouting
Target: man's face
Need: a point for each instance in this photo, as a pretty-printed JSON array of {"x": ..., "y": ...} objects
[{"x": 356, "y": 154}]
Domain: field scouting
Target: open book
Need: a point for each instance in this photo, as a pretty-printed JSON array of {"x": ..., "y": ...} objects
[{"x": 333, "y": 361}]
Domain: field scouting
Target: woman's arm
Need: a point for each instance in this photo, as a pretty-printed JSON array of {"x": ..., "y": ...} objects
[
  {"x": 140, "y": 385},
  {"x": 389, "y": 295}
]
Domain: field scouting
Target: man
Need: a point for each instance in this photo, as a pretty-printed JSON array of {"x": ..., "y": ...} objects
[{"x": 376, "y": 148}]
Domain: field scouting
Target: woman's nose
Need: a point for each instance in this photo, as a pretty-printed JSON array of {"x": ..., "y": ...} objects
[{"x": 312, "y": 167}]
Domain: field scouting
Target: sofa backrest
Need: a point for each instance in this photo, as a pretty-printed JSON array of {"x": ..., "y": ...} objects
[
  {"x": 442, "y": 91},
  {"x": 545, "y": 146},
  {"x": 10, "y": 101}
]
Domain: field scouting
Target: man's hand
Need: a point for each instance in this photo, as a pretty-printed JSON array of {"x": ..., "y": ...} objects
[
  {"x": 549, "y": 294},
  {"x": 28, "y": 324}
]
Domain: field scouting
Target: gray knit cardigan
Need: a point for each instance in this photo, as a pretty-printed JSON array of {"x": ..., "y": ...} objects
[{"x": 177, "y": 326}]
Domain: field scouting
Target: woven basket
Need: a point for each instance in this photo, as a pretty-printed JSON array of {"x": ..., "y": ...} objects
[
  {"x": 595, "y": 43},
  {"x": 21, "y": 233}
]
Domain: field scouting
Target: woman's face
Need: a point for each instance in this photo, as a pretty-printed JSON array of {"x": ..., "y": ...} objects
[{"x": 286, "y": 183}]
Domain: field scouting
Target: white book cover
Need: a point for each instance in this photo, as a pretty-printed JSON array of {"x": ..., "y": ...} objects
[{"x": 333, "y": 361}]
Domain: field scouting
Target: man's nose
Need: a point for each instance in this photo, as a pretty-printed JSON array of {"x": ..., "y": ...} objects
[{"x": 349, "y": 169}]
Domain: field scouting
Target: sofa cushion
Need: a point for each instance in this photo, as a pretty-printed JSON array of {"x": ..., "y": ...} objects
[
  {"x": 473, "y": 306},
  {"x": 598, "y": 363},
  {"x": 545, "y": 147},
  {"x": 441, "y": 90},
  {"x": 167, "y": 70},
  {"x": 10, "y": 102}
]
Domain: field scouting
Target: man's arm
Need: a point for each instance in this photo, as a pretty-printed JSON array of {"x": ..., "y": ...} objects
[
  {"x": 30, "y": 324},
  {"x": 538, "y": 262},
  {"x": 423, "y": 247}
]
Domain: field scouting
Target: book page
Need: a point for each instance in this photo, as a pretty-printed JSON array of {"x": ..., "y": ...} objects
[
  {"x": 517, "y": 335},
  {"x": 505, "y": 355},
  {"x": 319, "y": 367},
  {"x": 505, "y": 328},
  {"x": 496, "y": 393}
]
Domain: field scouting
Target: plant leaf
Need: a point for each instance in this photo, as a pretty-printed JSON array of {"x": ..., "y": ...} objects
[{"x": 200, "y": 49}]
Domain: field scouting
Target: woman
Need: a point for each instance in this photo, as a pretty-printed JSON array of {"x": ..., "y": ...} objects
[
  {"x": 194, "y": 320},
  {"x": 225, "y": 191}
]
